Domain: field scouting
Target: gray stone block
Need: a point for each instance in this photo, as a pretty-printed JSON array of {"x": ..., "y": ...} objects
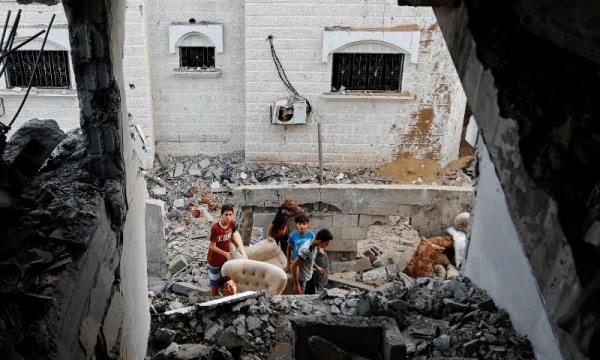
[
  {"x": 178, "y": 263},
  {"x": 376, "y": 276},
  {"x": 362, "y": 264},
  {"x": 155, "y": 237},
  {"x": 184, "y": 288}
]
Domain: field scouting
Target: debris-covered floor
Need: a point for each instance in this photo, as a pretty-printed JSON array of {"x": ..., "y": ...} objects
[
  {"x": 438, "y": 319},
  {"x": 193, "y": 189}
]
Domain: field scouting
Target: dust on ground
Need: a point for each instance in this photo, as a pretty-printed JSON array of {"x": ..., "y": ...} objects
[{"x": 406, "y": 170}]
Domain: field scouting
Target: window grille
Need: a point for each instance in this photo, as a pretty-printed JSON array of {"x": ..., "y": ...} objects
[
  {"x": 367, "y": 71},
  {"x": 52, "y": 70},
  {"x": 197, "y": 57}
]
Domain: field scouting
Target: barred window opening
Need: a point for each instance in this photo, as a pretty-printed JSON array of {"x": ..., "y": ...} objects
[
  {"x": 367, "y": 71},
  {"x": 52, "y": 70},
  {"x": 197, "y": 57}
]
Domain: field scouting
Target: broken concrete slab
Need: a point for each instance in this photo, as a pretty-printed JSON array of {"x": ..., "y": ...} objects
[
  {"x": 184, "y": 288},
  {"x": 336, "y": 280},
  {"x": 193, "y": 352},
  {"x": 46, "y": 132},
  {"x": 182, "y": 310},
  {"x": 362, "y": 264},
  {"x": 376, "y": 276},
  {"x": 177, "y": 264},
  {"x": 213, "y": 332},
  {"x": 178, "y": 170},
  {"x": 227, "y": 300},
  {"x": 156, "y": 246},
  {"x": 204, "y": 163},
  {"x": 194, "y": 170}
]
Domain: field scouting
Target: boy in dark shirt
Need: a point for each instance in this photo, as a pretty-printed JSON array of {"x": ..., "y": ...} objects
[
  {"x": 304, "y": 265},
  {"x": 278, "y": 229}
]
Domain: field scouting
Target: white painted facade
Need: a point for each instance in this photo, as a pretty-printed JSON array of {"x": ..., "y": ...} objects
[
  {"x": 61, "y": 105},
  {"x": 228, "y": 108},
  {"x": 196, "y": 112}
]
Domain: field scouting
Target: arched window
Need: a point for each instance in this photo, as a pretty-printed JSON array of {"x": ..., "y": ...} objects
[
  {"x": 196, "y": 51},
  {"x": 52, "y": 70}
]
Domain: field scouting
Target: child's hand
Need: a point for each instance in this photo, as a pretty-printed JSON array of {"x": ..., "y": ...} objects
[
  {"x": 228, "y": 256},
  {"x": 320, "y": 269}
]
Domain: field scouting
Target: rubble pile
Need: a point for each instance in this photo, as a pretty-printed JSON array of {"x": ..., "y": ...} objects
[
  {"x": 51, "y": 212},
  {"x": 194, "y": 187},
  {"x": 438, "y": 319}
]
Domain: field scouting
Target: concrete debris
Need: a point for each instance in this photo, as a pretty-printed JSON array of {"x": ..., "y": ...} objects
[
  {"x": 362, "y": 264},
  {"x": 213, "y": 332},
  {"x": 376, "y": 276},
  {"x": 178, "y": 170},
  {"x": 184, "y": 288},
  {"x": 163, "y": 337},
  {"x": 194, "y": 170},
  {"x": 204, "y": 163},
  {"x": 437, "y": 319},
  {"x": 177, "y": 264}
]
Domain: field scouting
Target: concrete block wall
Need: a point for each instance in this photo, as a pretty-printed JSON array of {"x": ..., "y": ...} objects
[
  {"x": 61, "y": 105},
  {"x": 354, "y": 208},
  {"x": 425, "y": 123},
  {"x": 193, "y": 114},
  {"x": 497, "y": 262},
  {"x": 156, "y": 244},
  {"x": 137, "y": 78}
]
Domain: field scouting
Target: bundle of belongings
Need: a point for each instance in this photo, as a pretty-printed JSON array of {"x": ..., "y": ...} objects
[{"x": 431, "y": 256}]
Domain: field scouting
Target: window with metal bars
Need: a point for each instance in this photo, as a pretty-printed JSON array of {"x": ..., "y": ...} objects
[
  {"x": 52, "y": 70},
  {"x": 367, "y": 71},
  {"x": 197, "y": 57}
]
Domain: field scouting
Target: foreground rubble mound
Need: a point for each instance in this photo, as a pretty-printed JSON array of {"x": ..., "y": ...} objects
[{"x": 436, "y": 319}]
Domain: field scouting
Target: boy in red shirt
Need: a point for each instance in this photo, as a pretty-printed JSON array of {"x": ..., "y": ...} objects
[{"x": 221, "y": 234}]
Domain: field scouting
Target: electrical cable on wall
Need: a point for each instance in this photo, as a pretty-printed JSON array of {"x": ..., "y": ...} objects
[{"x": 283, "y": 76}]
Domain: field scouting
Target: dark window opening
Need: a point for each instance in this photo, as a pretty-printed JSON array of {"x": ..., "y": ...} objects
[
  {"x": 196, "y": 57},
  {"x": 52, "y": 70},
  {"x": 366, "y": 71}
]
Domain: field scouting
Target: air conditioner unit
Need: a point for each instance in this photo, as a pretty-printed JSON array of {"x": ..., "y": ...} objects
[{"x": 289, "y": 111}]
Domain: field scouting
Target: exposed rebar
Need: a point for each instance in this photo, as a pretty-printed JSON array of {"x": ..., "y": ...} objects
[{"x": 37, "y": 60}]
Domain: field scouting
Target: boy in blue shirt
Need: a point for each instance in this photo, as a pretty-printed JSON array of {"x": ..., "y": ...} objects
[{"x": 298, "y": 237}]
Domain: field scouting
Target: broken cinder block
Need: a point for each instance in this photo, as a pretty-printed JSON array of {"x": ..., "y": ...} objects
[
  {"x": 373, "y": 253},
  {"x": 362, "y": 264},
  {"x": 177, "y": 264}
]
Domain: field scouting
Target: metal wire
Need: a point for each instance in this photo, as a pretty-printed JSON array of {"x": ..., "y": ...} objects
[
  {"x": 33, "y": 72},
  {"x": 283, "y": 76}
]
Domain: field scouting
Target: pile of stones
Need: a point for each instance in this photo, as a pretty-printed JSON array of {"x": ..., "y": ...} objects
[{"x": 450, "y": 319}]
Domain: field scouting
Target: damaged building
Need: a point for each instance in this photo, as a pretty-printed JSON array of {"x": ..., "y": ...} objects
[{"x": 184, "y": 106}]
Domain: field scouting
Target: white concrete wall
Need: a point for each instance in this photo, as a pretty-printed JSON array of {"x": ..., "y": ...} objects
[
  {"x": 497, "y": 263},
  {"x": 425, "y": 123},
  {"x": 61, "y": 105},
  {"x": 133, "y": 265},
  {"x": 192, "y": 113},
  {"x": 137, "y": 79}
]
